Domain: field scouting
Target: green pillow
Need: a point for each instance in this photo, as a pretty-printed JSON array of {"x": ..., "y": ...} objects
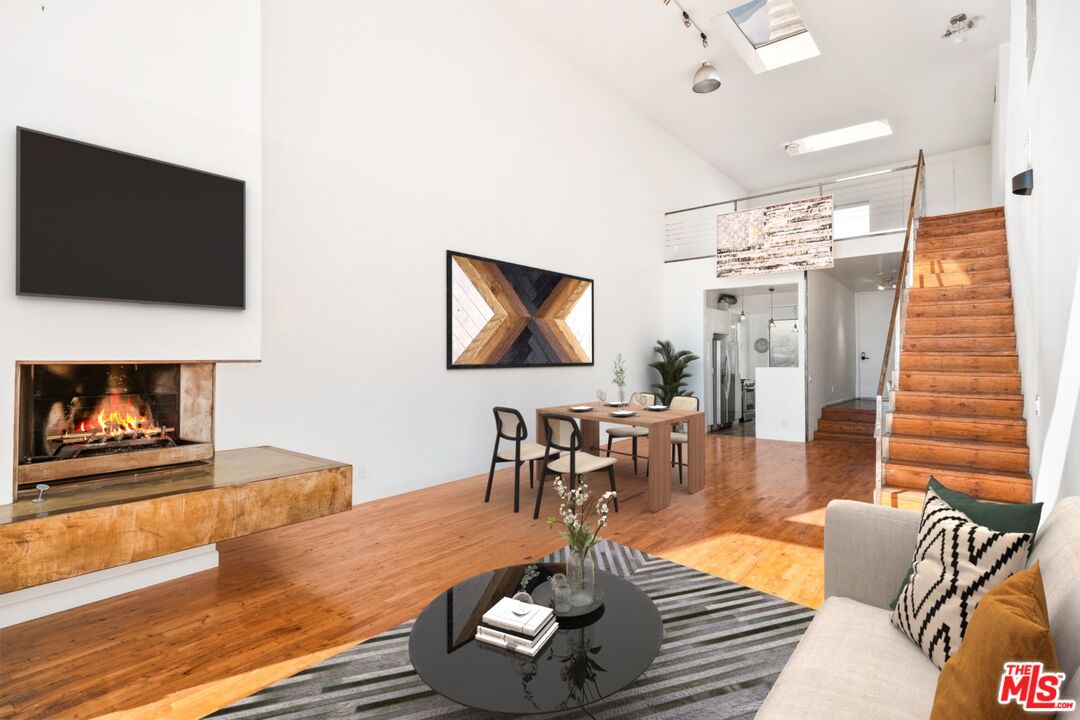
[{"x": 1000, "y": 517}]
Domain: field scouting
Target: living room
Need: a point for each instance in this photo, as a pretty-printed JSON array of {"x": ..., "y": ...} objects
[{"x": 278, "y": 276}]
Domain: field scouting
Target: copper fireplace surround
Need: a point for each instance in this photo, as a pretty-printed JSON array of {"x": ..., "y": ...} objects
[{"x": 81, "y": 421}]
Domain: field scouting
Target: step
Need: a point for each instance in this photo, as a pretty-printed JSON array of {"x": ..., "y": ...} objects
[
  {"x": 1006, "y": 405},
  {"x": 962, "y": 381},
  {"x": 848, "y": 415},
  {"x": 971, "y": 427},
  {"x": 998, "y": 291},
  {"x": 963, "y": 309},
  {"x": 959, "y": 279},
  {"x": 988, "y": 485},
  {"x": 992, "y": 325},
  {"x": 941, "y": 229},
  {"x": 902, "y": 498},
  {"x": 956, "y": 240},
  {"x": 957, "y": 343},
  {"x": 975, "y": 454},
  {"x": 982, "y": 250},
  {"x": 844, "y": 437},
  {"x": 965, "y": 216},
  {"x": 1001, "y": 361},
  {"x": 825, "y": 425},
  {"x": 927, "y": 266}
]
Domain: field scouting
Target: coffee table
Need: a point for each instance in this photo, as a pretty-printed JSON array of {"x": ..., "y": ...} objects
[{"x": 589, "y": 658}]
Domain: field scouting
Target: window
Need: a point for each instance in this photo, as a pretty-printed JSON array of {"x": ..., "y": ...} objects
[
  {"x": 767, "y": 21},
  {"x": 851, "y": 221}
]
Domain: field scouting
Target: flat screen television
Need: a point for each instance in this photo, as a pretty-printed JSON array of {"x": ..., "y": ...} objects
[{"x": 104, "y": 224}]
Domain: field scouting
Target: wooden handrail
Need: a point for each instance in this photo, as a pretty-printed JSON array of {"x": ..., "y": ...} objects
[{"x": 920, "y": 168}]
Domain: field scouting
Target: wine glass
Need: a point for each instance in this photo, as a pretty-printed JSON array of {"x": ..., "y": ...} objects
[
  {"x": 601, "y": 395},
  {"x": 636, "y": 401}
]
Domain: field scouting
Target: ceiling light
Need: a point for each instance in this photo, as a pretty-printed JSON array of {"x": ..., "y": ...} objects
[
  {"x": 772, "y": 323},
  {"x": 958, "y": 25},
  {"x": 685, "y": 19},
  {"x": 706, "y": 79},
  {"x": 795, "y": 327},
  {"x": 836, "y": 138}
]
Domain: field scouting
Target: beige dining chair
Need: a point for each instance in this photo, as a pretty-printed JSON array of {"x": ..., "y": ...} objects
[
  {"x": 632, "y": 431},
  {"x": 679, "y": 436},
  {"x": 564, "y": 436},
  {"x": 509, "y": 425}
]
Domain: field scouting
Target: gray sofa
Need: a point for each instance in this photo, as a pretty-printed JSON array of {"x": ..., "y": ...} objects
[{"x": 853, "y": 663}]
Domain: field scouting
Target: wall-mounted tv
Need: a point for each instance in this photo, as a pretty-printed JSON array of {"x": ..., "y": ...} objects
[{"x": 104, "y": 224}]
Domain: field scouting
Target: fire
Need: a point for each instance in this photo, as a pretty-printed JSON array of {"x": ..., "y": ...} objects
[{"x": 117, "y": 416}]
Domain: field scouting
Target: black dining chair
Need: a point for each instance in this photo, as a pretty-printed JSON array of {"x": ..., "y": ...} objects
[
  {"x": 509, "y": 425},
  {"x": 563, "y": 436}
]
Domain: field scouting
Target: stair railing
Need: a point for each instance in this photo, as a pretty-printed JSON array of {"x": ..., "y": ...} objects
[{"x": 890, "y": 363}]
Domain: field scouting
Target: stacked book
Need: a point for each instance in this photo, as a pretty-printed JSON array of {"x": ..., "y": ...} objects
[{"x": 517, "y": 626}]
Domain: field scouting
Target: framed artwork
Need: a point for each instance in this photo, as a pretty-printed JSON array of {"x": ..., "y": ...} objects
[
  {"x": 776, "y": 238},
  {"x": 500, "y": 314}
]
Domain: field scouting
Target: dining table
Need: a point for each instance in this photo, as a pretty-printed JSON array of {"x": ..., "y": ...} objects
[{"x": 659, "y": 424}]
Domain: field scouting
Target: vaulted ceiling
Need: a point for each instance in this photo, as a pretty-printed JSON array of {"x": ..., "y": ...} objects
[{"x": 879, "y": 59}]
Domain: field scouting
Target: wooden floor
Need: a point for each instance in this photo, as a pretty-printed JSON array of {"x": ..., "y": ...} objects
[{"x": 285, "y": 599}]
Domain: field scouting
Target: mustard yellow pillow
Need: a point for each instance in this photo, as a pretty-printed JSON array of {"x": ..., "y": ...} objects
[{"x": 1010, "y": 624}]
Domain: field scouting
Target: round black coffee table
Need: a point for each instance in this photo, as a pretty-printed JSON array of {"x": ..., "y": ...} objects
[{"x": 588, "y": 659}]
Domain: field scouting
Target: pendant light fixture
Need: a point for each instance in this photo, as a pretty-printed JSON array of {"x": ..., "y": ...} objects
[
  {"x": 772, "y": 322},
  {"x": 706, "y": 79},
  {"x": 742, "y": 306}
]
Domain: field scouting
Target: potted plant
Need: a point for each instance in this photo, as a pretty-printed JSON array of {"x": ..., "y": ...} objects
[
  {"x": 575, "y": 513},
  {"x": 672, "y": 369},
  {"x": 619, "y": 377}
]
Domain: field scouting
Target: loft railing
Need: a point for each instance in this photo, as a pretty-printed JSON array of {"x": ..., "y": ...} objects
[
  {"x": 867, "y": 205},
  {"x": 904, "y": 279}
]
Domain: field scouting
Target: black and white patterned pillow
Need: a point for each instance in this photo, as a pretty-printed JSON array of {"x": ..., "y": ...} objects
[{"x": 956, "y": 562}]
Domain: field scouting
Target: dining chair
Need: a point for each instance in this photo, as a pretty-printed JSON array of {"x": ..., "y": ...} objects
[
  {"x": 679, "y": 437},
  {"x": 632, "y": 431},
  {"x": 509, "y": 425},
  {"x": 564, "y": 436}
]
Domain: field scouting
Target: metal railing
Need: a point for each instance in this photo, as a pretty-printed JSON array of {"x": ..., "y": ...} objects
[
  {"x": 891, "y": 361},
  {"x": 882, "y": 196}
]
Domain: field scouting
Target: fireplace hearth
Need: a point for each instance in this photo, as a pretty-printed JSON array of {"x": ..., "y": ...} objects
[{"x": 80, "y": 421}]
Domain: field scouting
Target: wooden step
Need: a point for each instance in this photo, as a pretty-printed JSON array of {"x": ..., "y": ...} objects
[
  {"x": 967, "y": 251},
  {"x": 848, "y": 415},
  {"x": 962, "y": 381},
  {"x": 957, "y": 343},
  {"x": 993, "y": 325},
  {"x": 826, "y": 425},
  {"x": 1001, "y": 361},
  {"x": 844, "y": 437},
  {"x": 993, "y": 429},
  {"x": 975, "y": 454},
  {"x": 1008, "y": 405},
  {"x": 963, "y": 309},
  {"x": 966, "y": 216},
  {"x": 928, "y": 266},
  {"x": 959, "y": 279},
  {"x": 956, "y": 240},
  {"x": 902, "y": 498},
  {"x": 985, "y": 484},
  {"x": 993, "y": 291},
  {"x": 927, "y": 230}
]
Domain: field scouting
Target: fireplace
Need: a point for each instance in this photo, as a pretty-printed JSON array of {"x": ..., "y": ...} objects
[{"x": 82, "y": 421}]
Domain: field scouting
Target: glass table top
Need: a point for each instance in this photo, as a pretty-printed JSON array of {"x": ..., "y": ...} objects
[{"x": 589, "y": 658}]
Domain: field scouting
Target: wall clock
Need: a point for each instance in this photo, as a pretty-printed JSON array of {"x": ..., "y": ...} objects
[{"x": 761, "y": 345}]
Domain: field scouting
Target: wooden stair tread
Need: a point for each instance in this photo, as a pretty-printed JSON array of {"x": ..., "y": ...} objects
[
  {"x": 963, "y": 394},
  {"x": 998, "y": 211},
  {"x": 960, "y": 470},
  {"x": 964, "y": 353},
  {"x": 953, "y": 417},
  {"x": 953, "y": 442},
  {"x": 963, "y": 373},
  {"x": 843, "y": 437}
]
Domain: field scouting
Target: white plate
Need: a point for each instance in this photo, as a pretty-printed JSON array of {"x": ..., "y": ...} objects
[
  {"x": 623, "y": 413},
  {"x": 657, "y": 407},
  {"x": 579, "y": 408},
  {"x": 615, "y": 403}
]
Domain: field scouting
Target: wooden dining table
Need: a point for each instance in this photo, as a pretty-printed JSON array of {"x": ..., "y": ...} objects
[{"x": 659, "y": 424}]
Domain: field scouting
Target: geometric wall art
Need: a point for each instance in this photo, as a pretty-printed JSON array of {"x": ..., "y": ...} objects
[
  {"x": 776, "y": 238},
  {"x": 500, "y": 314}
]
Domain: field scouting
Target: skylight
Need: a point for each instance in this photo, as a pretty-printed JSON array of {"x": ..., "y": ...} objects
[
  {"x": 767, "y": 34},
  {"x": 767, "y": 21},
  {"x": 836, "y": 138}
]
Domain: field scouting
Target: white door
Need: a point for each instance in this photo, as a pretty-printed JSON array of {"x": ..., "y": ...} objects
[{"x": 872, "y": 313}]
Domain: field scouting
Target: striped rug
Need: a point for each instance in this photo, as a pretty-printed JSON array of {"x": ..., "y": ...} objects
[{"x": 724, "y": 645}]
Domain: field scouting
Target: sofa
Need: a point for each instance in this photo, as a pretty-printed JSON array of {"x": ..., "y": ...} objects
[{"x": 853, "y": 663}]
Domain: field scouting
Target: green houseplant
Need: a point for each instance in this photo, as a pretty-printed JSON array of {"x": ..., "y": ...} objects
[{"x": 672, "y": 368}]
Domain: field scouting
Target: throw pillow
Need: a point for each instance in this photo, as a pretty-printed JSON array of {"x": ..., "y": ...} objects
[
  {"x": 956, "y": 562},
  {"x": 1011, "y": 624},
  {"x": 1003, "y": 517}
]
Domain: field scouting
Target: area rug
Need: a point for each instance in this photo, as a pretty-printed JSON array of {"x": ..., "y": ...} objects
[{"x": 724, "y": 645}]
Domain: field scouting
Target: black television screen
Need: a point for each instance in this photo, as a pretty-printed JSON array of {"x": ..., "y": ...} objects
[{"x": 99, "y": 223}]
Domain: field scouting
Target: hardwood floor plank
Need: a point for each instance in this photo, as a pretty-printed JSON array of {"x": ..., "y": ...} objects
[{"x": 285, "y": 599}]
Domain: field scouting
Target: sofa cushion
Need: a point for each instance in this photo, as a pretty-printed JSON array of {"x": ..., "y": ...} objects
[
  {"x": 1057, "y": 550},
  {"x": 956, "y": 563},
  {"x": 853, "y": 664}
]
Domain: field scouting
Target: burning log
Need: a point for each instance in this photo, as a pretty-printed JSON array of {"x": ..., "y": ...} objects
[{"x": 92, "y": 436}]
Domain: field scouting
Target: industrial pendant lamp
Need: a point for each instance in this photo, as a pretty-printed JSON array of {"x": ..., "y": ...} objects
[
  {"x": 706, "y": 79},
  {"x": 742, "y": 303},
  {"x": 772, "y": 322}
]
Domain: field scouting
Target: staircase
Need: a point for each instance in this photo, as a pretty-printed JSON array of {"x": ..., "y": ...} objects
[
  {"x": 956, "y": 408},
  {"x": 851, "y": 422}
]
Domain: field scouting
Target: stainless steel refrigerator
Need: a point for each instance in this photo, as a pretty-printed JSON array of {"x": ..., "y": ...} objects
[{"x": 725, "y": 380}]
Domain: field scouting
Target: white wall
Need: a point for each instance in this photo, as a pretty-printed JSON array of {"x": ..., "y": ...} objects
[
  {"x": 144, "y": 77},
  {"x": 780, "y": 395},
  {"x": 1037, "y": 124},
  {"x": 394, "y": 132},
  {"x": 958, "y": 181},
  {"x": 830, "y": 344}
]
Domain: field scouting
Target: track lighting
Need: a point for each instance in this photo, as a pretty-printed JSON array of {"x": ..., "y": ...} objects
[
  {"x": 685, "y": 19},
  {"x": 704, "y": 41}
]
